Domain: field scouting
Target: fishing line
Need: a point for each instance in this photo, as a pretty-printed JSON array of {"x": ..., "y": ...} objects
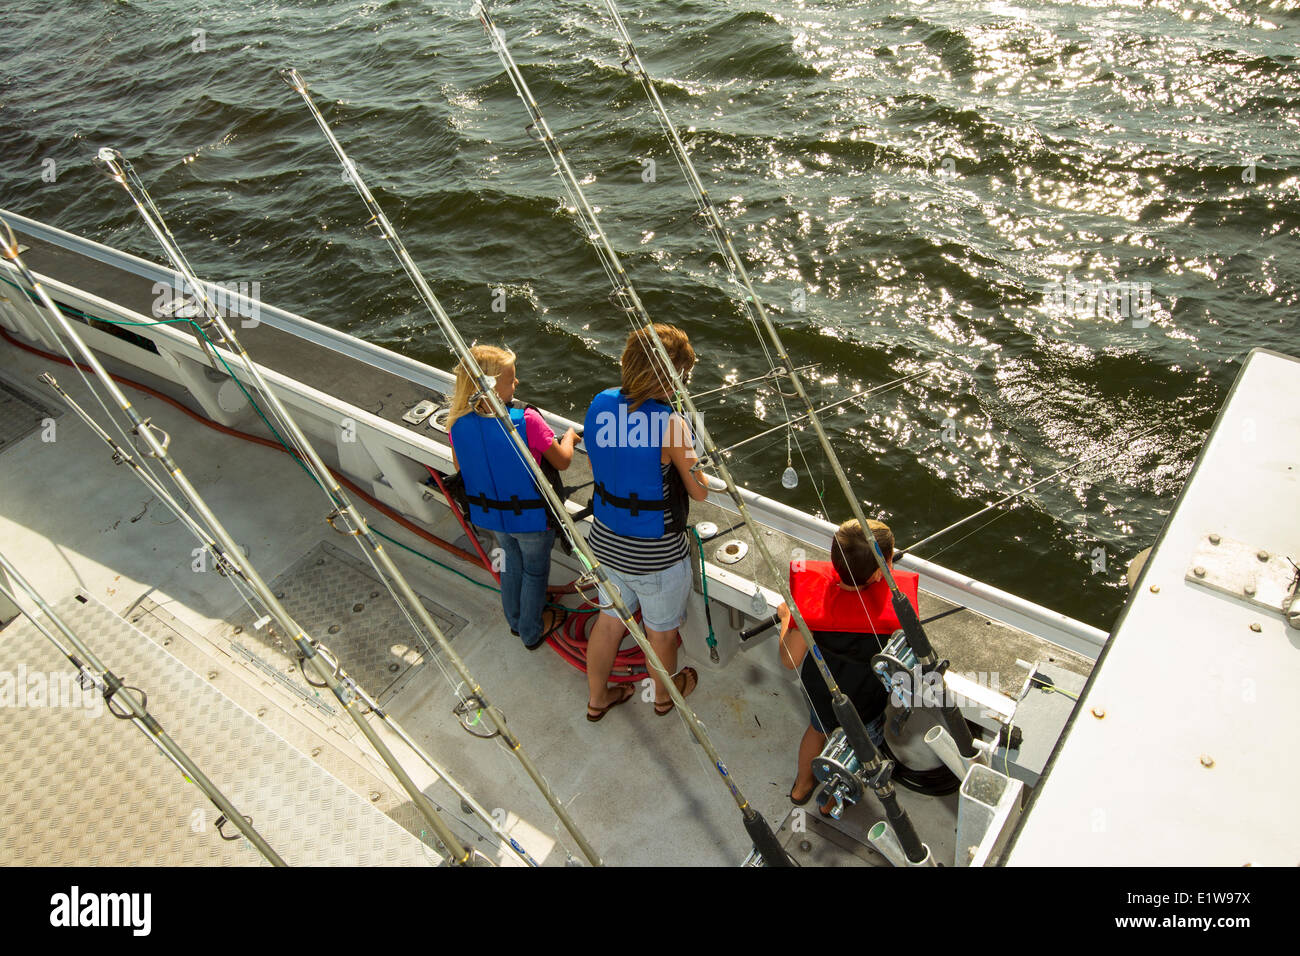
[
  {"x": 856, "y": 731},
  {"x": 624, "y": 296},
  {"x": 137, "y": 712},
  {"x": 917, "y": 640},
  {"x": 1129, "y": 441},
  {"x": 487, "y": 391},
  {"x": 235, "y": 574},
  {"x": 458, "y": 854},
  {"x": 761, "y": 380}
]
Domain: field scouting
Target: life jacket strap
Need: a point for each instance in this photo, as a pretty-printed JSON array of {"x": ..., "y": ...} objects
[
  {"x": 515, "y": 504},
  {"x": 634, "y": 503}
]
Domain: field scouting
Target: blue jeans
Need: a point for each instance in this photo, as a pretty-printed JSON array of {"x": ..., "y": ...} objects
[{"x": 525, "y": 570}]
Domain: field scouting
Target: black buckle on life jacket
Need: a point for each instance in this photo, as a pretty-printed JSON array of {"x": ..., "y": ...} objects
[{"x": 633, "y": 503}]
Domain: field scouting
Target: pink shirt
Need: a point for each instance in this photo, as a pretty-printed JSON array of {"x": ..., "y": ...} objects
[
  {"x": 540, "y": 436},
  {"x": 539, "y": 433}
]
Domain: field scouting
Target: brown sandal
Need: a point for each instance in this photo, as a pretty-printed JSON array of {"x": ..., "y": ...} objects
[
  {"x": 626, "y": 693},
  {"x": 689, "y": 680}
]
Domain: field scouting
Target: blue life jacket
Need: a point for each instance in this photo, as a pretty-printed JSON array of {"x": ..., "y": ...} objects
[
  {"x": 499, "y": 487},
  {"x": 624, "y": 449}
]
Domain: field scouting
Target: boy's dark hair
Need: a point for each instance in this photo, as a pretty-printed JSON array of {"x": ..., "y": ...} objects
[{"x": 851, "y": 554}]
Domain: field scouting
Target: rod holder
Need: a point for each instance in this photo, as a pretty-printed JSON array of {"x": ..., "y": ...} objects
[
  {"x": 945, "y": 748},
  {"x": 882, "y": 837}
]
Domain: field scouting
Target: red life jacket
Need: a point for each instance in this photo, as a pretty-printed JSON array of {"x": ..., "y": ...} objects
[{"x": 828, "y": 607}]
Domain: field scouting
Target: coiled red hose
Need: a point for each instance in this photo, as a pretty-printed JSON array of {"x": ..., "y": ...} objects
[{"x": 569, "y": 640}]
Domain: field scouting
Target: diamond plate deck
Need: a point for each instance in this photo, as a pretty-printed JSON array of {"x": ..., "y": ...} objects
[
  {"x": 338, "y": 600},
  {"x": 84, "y": 789},
  {"x": 20, "y": 414}
]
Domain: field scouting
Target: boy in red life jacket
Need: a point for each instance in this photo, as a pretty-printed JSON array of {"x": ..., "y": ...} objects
[{"x": 846, "y": 603}]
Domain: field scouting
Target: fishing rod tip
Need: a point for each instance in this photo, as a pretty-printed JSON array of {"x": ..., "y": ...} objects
[
  {"x": 9, "y": 240},
  {"x": 293, "y": 79}
]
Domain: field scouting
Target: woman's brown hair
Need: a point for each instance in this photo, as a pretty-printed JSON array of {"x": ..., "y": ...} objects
[{"x": 644, "y": 375}]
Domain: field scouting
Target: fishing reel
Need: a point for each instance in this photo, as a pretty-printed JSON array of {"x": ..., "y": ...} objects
[
  {"x": 896, "y": 667},
  {"x": 839, "y": 768}
]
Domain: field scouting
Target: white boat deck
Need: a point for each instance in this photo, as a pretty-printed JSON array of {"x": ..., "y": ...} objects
[
  {"x": 1194, "y": 698},
  {"x": 637, "y": 784}
]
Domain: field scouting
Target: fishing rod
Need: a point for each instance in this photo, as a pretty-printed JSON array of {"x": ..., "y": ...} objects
[
  {"x": 466, "y": 798},
  {"x": 1030, "y": 487},
  {"x": 875, "y": 768},
  {"x": 755, "y": 825},
  {"x": 96, "y": 672},
  {"x": 882, "y": 387},
  {"x": 772, "y": 373},
  {"x": 223, "y": 563},
  {"x": 228, "y": 567},
  {"x": 916, "y": 636},
  {"x": 477, "y": 694},
  {"x": 157, "y": 447}
]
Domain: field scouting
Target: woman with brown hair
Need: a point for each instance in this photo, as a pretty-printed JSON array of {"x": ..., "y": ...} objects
[{"x": 642, "y": 453}]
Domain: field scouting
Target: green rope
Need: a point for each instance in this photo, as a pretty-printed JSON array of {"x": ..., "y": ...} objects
[
  {"x": 704, "y": 586},
  {"x": 294, "y": 455}
]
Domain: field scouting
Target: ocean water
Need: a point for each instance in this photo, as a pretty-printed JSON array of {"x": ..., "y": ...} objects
[{"x": 1084, "y": 215}]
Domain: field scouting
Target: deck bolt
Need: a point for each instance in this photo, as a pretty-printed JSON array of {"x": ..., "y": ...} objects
[
  {"x": 1215, "y": 539},
  {"x": 1155, "y": 589},
  {"x": 212, "y": 675},
  {"x": 261, "y": 711},
  {"x": 1207, "y": 760},
  {"x": 239, "y": 629},
  {"x": 1199, "y": 571},
  {"x": 805, "y": 846},
  {"x": 1099, "y": 712},
  {"x": 1256, "y": 628},
  {"x": 374, "y": 796},
  {"x": 315, "y": 751},
  {"x": 1249, "y": 589},
  {"x": 357, "y": 608},
  {"x": 1262, "y": 555}
]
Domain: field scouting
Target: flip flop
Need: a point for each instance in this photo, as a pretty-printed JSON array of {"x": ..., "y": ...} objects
[
  {"x": 689, "y": 681},
  {"x": 626, "y": 693},
  {"x": 804, "y": 801}
]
